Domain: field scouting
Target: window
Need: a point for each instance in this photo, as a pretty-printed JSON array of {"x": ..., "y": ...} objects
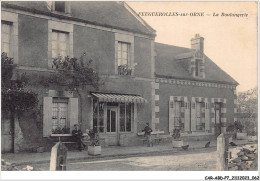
[
  {"x": 200, "y": 116},
  {"x": 98, "y": 115},
  {"x": 6, "y": 37},
  {"x": 217, "y": 112},
  {"x": 197, "y": 64},
  {"x": 60, "y": 6},
  {"x": 60, "y": 114},
  {"x": 123, "y": 58},
  {"x": 60, "y": 44},
  {"x": 126, "y": 115},
  {"x": 60, "y": 123},
  {"x": 178, "y": 115},
  {"x": 123, "y": 53}
]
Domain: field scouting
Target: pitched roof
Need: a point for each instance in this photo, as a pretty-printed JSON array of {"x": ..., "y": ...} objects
[
  {"x": 109, "y": 14},
  {"x": 166, "y": 65}
]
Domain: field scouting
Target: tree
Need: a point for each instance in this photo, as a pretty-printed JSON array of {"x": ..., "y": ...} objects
[
  {"x": 16, "y": 98},
  {"x": 247, "y": 101},
  {"x": 247, "y": 105},
  {"x": 76, "y": 74}
]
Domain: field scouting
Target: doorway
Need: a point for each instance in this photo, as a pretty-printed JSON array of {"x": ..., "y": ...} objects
[
  {"x": 112, "y": 126},
  {"x": 7, "y": 141},
  {"x": 217, "y": 119}
]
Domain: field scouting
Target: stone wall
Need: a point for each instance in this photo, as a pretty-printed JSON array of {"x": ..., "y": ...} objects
[{"x": 244, "y": 158}]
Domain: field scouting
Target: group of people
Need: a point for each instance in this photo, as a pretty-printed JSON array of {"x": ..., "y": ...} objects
[{"x": 78, "y": 136}]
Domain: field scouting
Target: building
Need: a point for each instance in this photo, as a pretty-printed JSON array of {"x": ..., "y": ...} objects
[
  {"x": 191, "y": 92},
  {"x": 143, "y": 81}
]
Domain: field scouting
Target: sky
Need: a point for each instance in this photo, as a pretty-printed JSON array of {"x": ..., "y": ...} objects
[{"x": 231, "y": 42}]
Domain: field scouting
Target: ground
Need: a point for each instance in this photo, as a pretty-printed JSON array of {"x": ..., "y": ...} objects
[{"x": 191, "y": 160}]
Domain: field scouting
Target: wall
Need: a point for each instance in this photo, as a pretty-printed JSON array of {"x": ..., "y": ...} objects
[
  {"x": 142, "y": 57},
  {"x": 167, "y": 90},
  {"x": 132, "y": 86},
  {"x": 98, "y": 45},
  {"x": 33, "y": 41}
]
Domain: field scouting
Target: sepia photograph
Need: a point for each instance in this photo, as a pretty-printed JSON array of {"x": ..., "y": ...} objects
[{"x": 130, "y": 86}]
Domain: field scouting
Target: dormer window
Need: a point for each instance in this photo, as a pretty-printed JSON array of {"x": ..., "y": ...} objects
[
  {"x": 60, "y": 6},
  {"x": 197, "y": 67}
]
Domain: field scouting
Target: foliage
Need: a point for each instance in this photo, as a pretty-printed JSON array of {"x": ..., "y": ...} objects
[
  {"x": 74, "y": 72},
  {"x": 176, "y": 134},
  {"x": 6, "y": 69},
  {"x": 238, "y": 126},
  {"x": 251, "y": 126},
  {"x": 15, "y": 96},
  {"x": 124, "y": 70},
  {"x": 65, "y": 63},
  {"x": 247, "y": 105},
  {"x": 247, "y": 101},
  {"x": 60, "y": 130},
  {"x": 94, "y": 137},
  {"x": 230, "y": 128}
]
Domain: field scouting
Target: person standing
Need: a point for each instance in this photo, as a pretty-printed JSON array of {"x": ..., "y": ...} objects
[{"x": 147, "y": 133}]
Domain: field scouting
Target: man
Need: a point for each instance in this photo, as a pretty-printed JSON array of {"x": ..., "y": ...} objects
[
  {"x": 77, "y": 134},
  {"x": 147, "y": 133}
]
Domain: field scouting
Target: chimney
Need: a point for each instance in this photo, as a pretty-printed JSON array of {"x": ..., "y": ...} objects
[{"x": 197, "y": 43}]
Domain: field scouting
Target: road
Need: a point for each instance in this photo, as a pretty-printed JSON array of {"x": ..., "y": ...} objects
[{"x": 195, "y": 160}]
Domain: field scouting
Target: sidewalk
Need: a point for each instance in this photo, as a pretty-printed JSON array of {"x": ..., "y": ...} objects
[{"x": 112, "y": 151}]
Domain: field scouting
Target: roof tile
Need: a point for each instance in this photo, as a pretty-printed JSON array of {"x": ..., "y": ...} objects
[{"x": 166, "y": 64}]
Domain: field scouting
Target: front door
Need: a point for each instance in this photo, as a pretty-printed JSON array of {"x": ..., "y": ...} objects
[
  {"x": 112, "y": 128},
  {"x": 217, "y": 119},
  {"x": 6, "y": 136}
]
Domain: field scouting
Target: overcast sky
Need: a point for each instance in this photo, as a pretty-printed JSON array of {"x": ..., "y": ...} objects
[{"x": 231, "y": 42}]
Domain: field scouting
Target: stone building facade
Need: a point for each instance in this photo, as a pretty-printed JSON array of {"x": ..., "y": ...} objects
[
  {"x": 138, "y": 75},
  {"x": 191, "y": 92}
]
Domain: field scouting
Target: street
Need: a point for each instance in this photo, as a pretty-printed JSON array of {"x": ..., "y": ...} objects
[{"x": 192, "y": 160}]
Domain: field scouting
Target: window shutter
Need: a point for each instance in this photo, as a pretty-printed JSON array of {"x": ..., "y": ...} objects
[
  {"x": 187, "y": 116},
  {"x": 47, "y": 116},
  {"x": 207, "y": 118},
  {"x": 171, "y": 116},
  {"x": 135, "y": 117},
  {"x": 193, "y": 115},
  {"x": 73, "y": 112}
]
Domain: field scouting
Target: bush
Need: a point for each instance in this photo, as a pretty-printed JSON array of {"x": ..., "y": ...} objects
[
  {"x": 238, "y": 126},
  {"x": 231, "y": 128}
]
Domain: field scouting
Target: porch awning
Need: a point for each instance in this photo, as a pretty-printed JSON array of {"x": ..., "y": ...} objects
[{"x": 106, "y": 97}]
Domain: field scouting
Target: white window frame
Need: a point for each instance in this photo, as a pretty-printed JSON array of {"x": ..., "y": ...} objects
[
  {"x": 180, "y": 106},
  {"x": 132, "y": 117},
  {"x": 51, "y": 6},
  {"x": 60, "y": 2},
  {"x": 62, "y": 27},
  {"x": 96, "y": 105},
  {"x": 121, "y": 50},
  {"x": 12, "y": 18},
  {"x": 58, "y": 43},
  {"x": 58, "y": 119},
  {"x": 7, "y": 38},
  {"x": 72, "y": 110},
  {"x": 129, "y": 39},
  {"x": 202, "y": 110}
]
